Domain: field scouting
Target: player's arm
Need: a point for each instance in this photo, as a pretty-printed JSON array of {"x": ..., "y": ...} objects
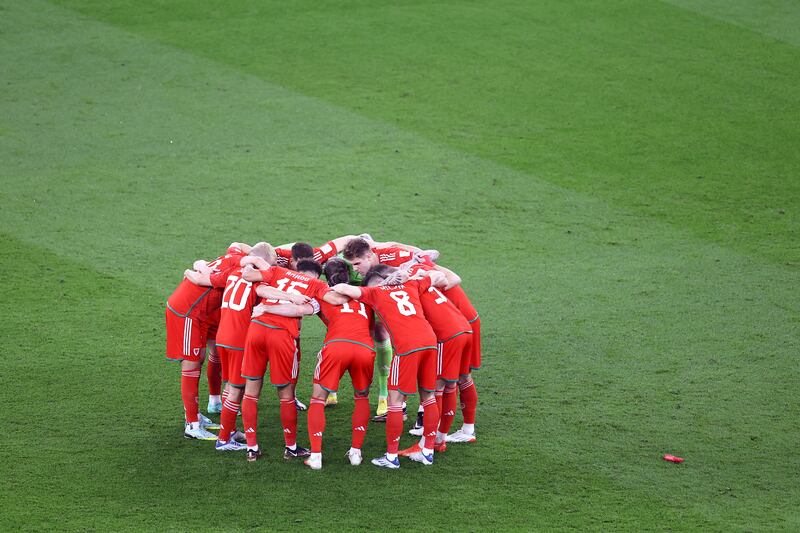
[
  {"x": 201, "y": 265},
  {"x": 335, "y": 298},
  {"x": 198, "y": 278},
  {"x": 244, "y": 247},
  {"x": 257, "y": 262},
  {"x": 289, "y": 310},
  {"x": 350, "y": 291},
  {"x": 271, "y": 293},
  {"x": 392, "y": 244},
  {"x": 341, "y": 242},
  {"x": 453, "y": 279},
  {"x": 251, "y": 274}
]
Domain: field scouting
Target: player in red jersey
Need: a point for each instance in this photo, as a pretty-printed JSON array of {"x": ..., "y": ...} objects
[
  {"x": 454, "y": 336},
  {"x": 191, "y": 312},
  {"x": 239, "y": 298},
  {"x": 364, "y": 255},
  {"x": 348, "y": 347},
  {"x": 414, "y": 363},
  {"x": 272, "y": 340}
]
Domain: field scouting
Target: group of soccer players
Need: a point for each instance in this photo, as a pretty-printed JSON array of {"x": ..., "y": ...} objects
[{"x": 384, "y": 304}]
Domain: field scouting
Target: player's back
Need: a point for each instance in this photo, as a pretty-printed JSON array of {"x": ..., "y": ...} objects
[
  {"x": 238, "y": 299},
  {"x": 401, "y": 311},
  {"x": 348, "y": 322},
  {"x": 445, "y": 318},
  {"x": 293, "y": 282}
]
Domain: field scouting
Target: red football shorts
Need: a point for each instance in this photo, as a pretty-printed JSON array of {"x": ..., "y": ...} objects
[
  {"x": 337, "y": 357},
  {"x": 475, "y": 362},
  {"x": 416, "y": 368},
  {"x": 231, "y": 361},
  {"x": 186, "y": 338},
  {"x": 272, "y": 346},
  {"x": 451, "y": 356}
]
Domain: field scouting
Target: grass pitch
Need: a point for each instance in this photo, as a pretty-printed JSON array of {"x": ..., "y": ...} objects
[{"x": 615, "y": 182}]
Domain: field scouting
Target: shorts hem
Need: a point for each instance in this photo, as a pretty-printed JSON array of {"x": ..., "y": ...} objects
[
  {"x": 281, "y": 385},
  {"x": 251, "y": 378}
]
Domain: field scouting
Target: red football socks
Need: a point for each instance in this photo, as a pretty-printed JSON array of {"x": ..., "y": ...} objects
[
  {"x": 316, "y": 424},
  {"x": 394, "y": 427},
  {"x": 360, "y": 420},
  {"x": 289, "y": 421},
  {"x": 227, "y": 420},
  {"x": 214, "y": 375},
  {"x": 190, "y": 380},
  {"x": 430, "y": 421},
  {"x": 250, "y": 419},
  {"x": 469, "y": 401},
  {"x": 448, "y": 411}
]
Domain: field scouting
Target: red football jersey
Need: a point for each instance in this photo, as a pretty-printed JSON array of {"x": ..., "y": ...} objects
[
  {"x": 349, "y": 322},
  {"x": 444, "y": 317},
  {"x": 289, "y": 281},
  {"x": 459, "y": 298},
  {"x": 401, "y": 312},
  {"x": 189, "y": 297},
  {"x": 321, "y": 254},
  {"x": 238, "y": 300},
  {"x": 393, "y": 256}
]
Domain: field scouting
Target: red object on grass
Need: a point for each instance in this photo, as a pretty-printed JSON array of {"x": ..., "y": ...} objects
[{"x": 673, "y": 459}]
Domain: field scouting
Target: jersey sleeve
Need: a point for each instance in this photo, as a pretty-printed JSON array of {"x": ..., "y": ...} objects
[
  {"x": 424, "y": 284},
  {"x": 318, "y": 289},
  {"x": 268, "y": 275},
  {"x": 284, "y": 256},
  {"x": 325, "y": 252},
  {"x": 218, "y": 279},
  {"x": 367, "y": 296}
]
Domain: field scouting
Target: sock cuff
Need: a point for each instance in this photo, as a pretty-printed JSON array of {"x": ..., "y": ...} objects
[
  {"x": 251, "y": 398},
  {"x": 395, "y": 408},
  {"x": 361, "y": 398},
  {"x": 316, "y": 401},
  {"x": 230, "y": 405},
  {"x": 466, "y": 385},
  {"x": 429, "y": 401},
  {"x": 284, "y": 400},
  {"x": 213, "y": 358},
  {"x": 191, "y": 373}
]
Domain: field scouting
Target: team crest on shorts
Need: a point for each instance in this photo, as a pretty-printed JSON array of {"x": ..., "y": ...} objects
[{"x": 196, "y": 351}]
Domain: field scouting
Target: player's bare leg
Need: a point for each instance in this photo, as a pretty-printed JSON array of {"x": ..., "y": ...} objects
[
  {"x": 289, "y": 423},
  {"x": 252, "y": 391}
]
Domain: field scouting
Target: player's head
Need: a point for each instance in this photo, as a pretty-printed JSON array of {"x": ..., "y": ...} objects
[
  {"x": 300, "y": 251},
  {"x": 265, "y": 251},
  {"x": 336, "y": 271},
  {"x": 309, "y": 267},
  {"x": 360, "y": 255},
  {"x": 378, "y": 275}
]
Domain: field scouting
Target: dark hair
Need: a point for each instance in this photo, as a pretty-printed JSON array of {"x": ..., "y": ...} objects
[
  {"x": 336, "y": 271},
  {"x": 356, "y": 248},
  {"x": 378, "y": 272},
  {"x": 302, "y": 250},
  {"x": 309, "y": 265}
]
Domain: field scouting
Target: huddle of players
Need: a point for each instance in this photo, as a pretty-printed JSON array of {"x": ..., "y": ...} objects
[{"x": 434, "y": 332}]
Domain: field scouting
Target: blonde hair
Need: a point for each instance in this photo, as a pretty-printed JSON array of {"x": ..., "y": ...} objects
[{"x": 265, "y": 251}]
